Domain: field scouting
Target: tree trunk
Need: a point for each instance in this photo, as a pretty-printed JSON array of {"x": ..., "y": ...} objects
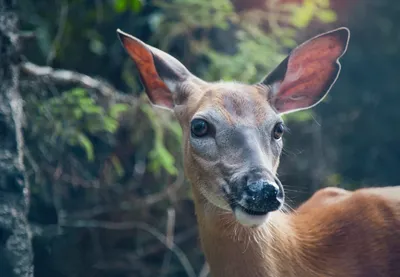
[{"x": 16, "y": 257}]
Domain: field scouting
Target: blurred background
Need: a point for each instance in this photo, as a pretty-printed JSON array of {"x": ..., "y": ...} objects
[{"x": 108, "y": 197}]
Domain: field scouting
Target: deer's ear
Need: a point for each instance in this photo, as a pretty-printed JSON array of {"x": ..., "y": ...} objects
[
  {"x": 160, "y": 73},
  {"x": 304, "y": 78}
]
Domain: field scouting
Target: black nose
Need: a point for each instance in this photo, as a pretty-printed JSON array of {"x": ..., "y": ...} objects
[{"x": 260, "y": 197}]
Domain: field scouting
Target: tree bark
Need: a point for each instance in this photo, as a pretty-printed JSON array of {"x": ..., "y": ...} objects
[{"x": 16, "y": 257}]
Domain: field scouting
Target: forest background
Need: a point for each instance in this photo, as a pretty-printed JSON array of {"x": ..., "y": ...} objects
[{"x": 91, "y": 180}]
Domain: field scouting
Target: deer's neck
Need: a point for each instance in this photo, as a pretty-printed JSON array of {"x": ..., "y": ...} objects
[{"x": 235, "y": 251}]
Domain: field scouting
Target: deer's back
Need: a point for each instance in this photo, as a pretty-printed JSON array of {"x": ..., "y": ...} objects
[{"x": 346, "y": 233}]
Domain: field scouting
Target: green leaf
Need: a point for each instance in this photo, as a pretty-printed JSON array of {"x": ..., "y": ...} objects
[
  {"x": 117, "y": 109},
  {"x": 161, "y": 158},
  {"x": 78, "y": 113},
  {"x": 326, "y": 16},
  {"x": 110, "y": 124},
  {"x": 92, "y": 109},
  {"x": 303, "y": 15},
  {"x": 85, "y": 142},
  {"x": 120, "y": 5},
  {"x": 300, "y": 116},
  {"x": 136, "y": 5},
  {"x": 176, "y": 129},
  {"x": 85, "y": 101},
  {"x": 117, "y": 166},
  {"x": 323, "y": 3},
  {"x": 77, "y": 92}
]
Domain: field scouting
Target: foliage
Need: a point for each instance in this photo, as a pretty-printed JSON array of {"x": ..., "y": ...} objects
[
  {"x": 160, "y": 156},
  {"x": 125, "y": 5},
  {"x": 74, "y": 136},
  {"x": 70, "y": 117},
  {"x": 251, "y": 55},
  {"x": 301, "y": 16},
  {"x": 247, "y": 57}
]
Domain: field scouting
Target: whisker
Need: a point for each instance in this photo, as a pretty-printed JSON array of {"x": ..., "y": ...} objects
[{"x": 296, "y": 191}]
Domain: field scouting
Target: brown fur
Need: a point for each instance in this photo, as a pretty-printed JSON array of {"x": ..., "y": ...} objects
[
  {"x": 234, "y": 101},
  {"x": 336, "y": 233},
  {"x": 354, "y": 235}
]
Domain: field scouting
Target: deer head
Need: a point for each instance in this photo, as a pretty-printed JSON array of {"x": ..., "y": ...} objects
[{"x": 232, "y": 132}]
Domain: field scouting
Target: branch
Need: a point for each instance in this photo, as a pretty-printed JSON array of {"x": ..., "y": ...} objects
[
  {"x": 136, "y": 225},
  {"x": 155, "y": 248},
  {"x": 67, "y": 76},
  {"x": 130, "y": 205},
  {"x": 205, "y": 270},
  {"x": 169, "y": 241},
  {"x": 61, "y": 27}
]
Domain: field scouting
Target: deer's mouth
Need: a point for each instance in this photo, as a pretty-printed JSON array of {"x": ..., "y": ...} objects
[
  {"x": 253, "y": 209},
  {"x": 245, "y": 216},
  {"x": 249, "y": 211},
  {"x": 249, "y": 218}
]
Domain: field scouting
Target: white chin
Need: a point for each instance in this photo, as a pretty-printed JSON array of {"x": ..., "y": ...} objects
[{"x": 248, "y": 219}]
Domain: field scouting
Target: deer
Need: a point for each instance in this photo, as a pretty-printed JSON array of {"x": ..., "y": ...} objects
[{"x": 232, "y": 142}]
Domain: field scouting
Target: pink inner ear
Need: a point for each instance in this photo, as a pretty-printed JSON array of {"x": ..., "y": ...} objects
[
  {"x": 311, "y": 70},
  {"x": 156, "y": 89}
]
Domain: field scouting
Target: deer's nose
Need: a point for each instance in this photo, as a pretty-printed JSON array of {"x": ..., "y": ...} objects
[{"x": 260, "y": 197}]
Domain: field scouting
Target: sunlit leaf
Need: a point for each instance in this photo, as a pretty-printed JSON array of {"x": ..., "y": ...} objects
[
  {"x": 303, "y": 15},
  {"x": 78, "y": 113},
  {"x": 78, "y": 92},
  {"x": 117, "y": 166},
  {"x": 120, "y": 5},
  {"x": 161, "y": 158},
  {"x": 117, "y": 109},
  {"x": 136, "y": 5},
  {"x": 92, "y": 109},
  {"x": 85, "y": 142},
  {"x": 110, "y": 124},
  {"x": 300, "y": 116},
  {"x": 327, "y": 16}
]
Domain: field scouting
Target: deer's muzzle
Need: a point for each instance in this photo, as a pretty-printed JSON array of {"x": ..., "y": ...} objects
[{"x": 254, "y": 197}]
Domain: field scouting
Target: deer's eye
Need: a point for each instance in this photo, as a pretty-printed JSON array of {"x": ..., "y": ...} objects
[
  {"x": 278, "y": 131},
  {"x": 199, "y": 127}
]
